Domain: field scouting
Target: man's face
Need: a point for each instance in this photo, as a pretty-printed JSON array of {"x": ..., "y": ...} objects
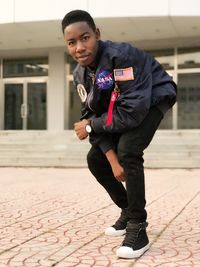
[{"x": 82, "y": 42}]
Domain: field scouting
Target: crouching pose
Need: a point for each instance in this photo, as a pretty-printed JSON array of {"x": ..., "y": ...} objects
[{"x": 125, "y": 93}]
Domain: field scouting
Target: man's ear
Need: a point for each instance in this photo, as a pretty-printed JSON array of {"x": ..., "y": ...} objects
[{"x": 97, "y": 34}]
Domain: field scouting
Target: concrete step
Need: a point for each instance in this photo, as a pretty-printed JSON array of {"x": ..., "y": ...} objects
[{"x": 169, "y": 149}]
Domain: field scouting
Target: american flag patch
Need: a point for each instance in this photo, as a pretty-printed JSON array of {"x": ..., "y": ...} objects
[{"x": 123, "y": 74}]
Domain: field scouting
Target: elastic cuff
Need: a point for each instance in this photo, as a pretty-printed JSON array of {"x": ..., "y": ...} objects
[{"x": 97, "y": 125}]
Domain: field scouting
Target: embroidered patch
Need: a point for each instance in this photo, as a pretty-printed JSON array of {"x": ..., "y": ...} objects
[
  {"x": 82, "y": 92},
  {"x": 123, "y": 74},
  {"x": 104, "y": 79}
]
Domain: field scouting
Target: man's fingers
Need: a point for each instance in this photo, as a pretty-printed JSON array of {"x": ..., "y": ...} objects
[
  {"x": 120, "y": 178},
  {"x": 81, "y": 136}
]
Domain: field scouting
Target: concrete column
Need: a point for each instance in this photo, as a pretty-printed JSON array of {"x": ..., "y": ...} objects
[
  {"x": 56, "y": 90},
  {"x": 1, "y": 98},
  {"x": 1, "y": 106}
]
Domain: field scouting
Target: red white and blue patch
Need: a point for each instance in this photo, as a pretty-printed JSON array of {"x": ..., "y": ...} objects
[
  {"x": 104, "y": 79},
  {"x": 123, "y": 74}
]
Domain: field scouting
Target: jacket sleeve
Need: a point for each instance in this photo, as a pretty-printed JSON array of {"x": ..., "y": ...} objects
[
  {"x": 103, "y": 141},
  {"x": 134, "y": 101}
]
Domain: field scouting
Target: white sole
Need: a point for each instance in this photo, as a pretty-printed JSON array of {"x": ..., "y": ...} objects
[
  {"x": 111, "y": 231},
  {"x": 129, "y": 253}
]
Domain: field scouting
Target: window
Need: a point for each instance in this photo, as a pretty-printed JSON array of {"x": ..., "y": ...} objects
[
  {"x": 189, "y": 101},
  {"x": 164, "y": 57},
  {"x": 25, "y": 67},
  {"x": 72, "y": 63},
  {"x": 189, "y": 58}
]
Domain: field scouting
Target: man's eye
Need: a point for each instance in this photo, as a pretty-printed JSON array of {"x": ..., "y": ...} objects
[
  {"x": 70, "y": 43},
  {"x": 85, "y": 38}
]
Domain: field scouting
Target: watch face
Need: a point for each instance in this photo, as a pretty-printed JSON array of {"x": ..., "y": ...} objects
[{"x": 88, "y": 128}]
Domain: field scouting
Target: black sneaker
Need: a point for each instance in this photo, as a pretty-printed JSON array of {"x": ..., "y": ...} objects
[
  {"x": 119, "y": 228},
  {"x": 136, "y": 241}
]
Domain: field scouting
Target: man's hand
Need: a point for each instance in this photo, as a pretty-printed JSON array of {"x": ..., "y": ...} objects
[
  {"x": 117, "y": 169},
  {"x": 80, "y": 130}
]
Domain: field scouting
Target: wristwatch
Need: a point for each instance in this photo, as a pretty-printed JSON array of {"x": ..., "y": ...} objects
[{"x": 88, "y": 127}]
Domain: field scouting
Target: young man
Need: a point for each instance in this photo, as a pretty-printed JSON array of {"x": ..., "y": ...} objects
[{"x": 125, "y": 93}]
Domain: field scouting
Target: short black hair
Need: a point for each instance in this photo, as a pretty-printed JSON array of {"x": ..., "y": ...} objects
[{"x": 76, "y": 16}]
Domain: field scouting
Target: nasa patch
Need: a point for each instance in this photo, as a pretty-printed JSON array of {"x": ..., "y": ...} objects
[{"x": 104, "y": 79}]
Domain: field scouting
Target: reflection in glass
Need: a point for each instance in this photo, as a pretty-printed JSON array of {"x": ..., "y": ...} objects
[
  {"x": 36, "y": 106},
  {"x": 75, "y": 106},
  {"x": 72, "y": 63},
  {"x": 166, "y": 122},
  {"x": 188, "y": 58},
  {"x": 25, "y": 67},
  {"x": 13, "y": 102},
  {"x": 189, "y": 101},
  {"x": 164, "y": 57}
]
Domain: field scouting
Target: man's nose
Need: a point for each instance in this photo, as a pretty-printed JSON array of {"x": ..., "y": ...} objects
[{"x": 80, "y": 46}]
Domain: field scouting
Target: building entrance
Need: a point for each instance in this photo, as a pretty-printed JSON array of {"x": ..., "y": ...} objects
[{"x": 25, "y": 104}]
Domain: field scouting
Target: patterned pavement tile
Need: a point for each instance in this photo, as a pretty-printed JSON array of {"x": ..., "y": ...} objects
[{"x": 56, "y": 217}]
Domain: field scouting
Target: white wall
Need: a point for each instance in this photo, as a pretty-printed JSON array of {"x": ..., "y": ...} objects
[
  {"x": 184, "y": 7},
  {"x": 45, "y": 9},
  {"x": 37, "y": 10},
  {"x": 125, "y": 8},
  {"x": 6, "y": 11},
  {"x": 40, "y": 10},
  {"x": 56, "y": 90}
]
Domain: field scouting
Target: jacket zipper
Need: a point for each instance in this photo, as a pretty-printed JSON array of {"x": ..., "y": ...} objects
[
  {"x": 89, "y": 98},
  {"x": 90, "y": 95}
]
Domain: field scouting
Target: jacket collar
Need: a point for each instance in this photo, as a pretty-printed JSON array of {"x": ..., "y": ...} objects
[{"x": 98, "y": 56}]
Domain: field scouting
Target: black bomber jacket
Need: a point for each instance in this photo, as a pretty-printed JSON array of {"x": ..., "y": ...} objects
[{"x": 142, "y": 83}]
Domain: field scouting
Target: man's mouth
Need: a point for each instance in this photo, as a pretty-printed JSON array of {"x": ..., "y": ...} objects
[
  {"x": 84, "y": 60},
  {"x": 83, "y": 57}
]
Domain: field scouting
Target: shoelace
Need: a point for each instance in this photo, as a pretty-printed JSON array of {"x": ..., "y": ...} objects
[{"x": 132, "y": 233}]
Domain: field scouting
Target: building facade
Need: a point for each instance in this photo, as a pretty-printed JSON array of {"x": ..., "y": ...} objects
[{"x": 36, "y": 83}]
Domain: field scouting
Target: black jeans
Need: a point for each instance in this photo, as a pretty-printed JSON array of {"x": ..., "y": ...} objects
[{"x": 130, "y": 149}]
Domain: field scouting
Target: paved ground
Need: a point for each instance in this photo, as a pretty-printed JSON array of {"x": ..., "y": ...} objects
[{"x": 56, "y": 217}]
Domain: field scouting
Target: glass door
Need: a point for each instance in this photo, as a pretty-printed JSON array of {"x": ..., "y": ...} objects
[
  {"x": 189, "y": 101},
  {"x": 74, "y": 106},
  {"x": 72, "y": 100},
  {"x": 13, "y": 117},
  {"x": 25, "y": 105},
  {"x": 36, "y": 103}
]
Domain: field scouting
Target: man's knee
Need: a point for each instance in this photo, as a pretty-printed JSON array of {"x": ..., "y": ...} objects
[
  {"x": 96, "y": 161},
  {"x": 92, "y": 159},
  {"x": 130, "y": 149}
]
